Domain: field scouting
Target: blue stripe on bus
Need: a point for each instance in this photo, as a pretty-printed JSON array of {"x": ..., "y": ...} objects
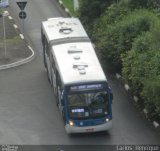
[{"x": 90, "y": 122}]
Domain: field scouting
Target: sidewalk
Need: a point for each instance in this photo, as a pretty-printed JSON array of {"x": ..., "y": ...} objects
[{"x": 17, "y": 51}]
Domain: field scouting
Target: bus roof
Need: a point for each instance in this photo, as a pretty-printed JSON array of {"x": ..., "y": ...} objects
[
  {"x": 59, "y": 28},
  {"x": 78, "y": 63}
]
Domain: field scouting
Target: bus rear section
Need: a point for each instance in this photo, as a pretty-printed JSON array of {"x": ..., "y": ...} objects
[{"x": 79, "y": 83}]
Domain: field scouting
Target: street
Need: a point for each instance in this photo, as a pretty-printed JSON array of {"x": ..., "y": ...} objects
[{"x": 28, "y": 111}]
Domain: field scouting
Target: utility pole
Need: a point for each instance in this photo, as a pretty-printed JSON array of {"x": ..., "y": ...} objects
[
  {"x": 5, "y": 13},
  {"x": 76, "y": 5}
]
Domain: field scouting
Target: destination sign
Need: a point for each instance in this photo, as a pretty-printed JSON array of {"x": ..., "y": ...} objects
[
  {"x": 86, "y": 87},
  {"x": 77, "y": 110}
]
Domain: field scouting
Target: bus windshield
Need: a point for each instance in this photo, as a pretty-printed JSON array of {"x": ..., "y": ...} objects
[{"x": 88, "y": 105}]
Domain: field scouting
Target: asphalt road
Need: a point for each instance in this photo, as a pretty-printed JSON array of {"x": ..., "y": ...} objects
[{"x": 28, "y": 112}]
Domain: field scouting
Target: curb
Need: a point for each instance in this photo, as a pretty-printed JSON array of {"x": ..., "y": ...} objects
[
  {"x": 136, "y": 99},
  {"x": 65, "y": 9},
  {"x": 18, "y": 63},
  {"x": 23, "y": 61},
  {"x": 156, "y": 124},
  {"x": 126, "y": 87}
]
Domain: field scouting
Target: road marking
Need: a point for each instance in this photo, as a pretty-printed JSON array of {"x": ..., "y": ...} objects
[
  {"x": 145, "y": 111},
  {"x": 60, "y": 2},
  {"x": 10, "y": 17},
  {"x": 155, "y": 124},
  {"x": 22, "y": 37},
  {"x": 15, "y": 26},
  {"x": 6, "y": 12},
  {"x": 67, "y": 10},
  {"x": 135, "y": 98},
  {"x": 30, "y": 48},
  {"x": 118, "y": 76},
  {"x": 126, "y": 86}
]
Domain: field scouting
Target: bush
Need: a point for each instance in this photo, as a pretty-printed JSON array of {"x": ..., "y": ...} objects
[
  {"x": 133, "y": 62},
  {"x": 134, "y": 4},
  {"x": 112, "y": 14},
  {"x": 117, "y": 38},
  {"x": 141, "y": 68},
  {"x": 151, "y": 92},
  {"x": 90, "y": 10}
]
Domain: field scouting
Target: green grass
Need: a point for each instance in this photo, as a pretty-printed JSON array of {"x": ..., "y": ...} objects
[
  {"x": 13, "y": 41},
  {"x": 69, "y": 4},
  {"x": 1, "y": 12}
]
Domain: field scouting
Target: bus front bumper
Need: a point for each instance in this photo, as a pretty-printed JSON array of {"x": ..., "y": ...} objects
[{"x": 88, "y": 129}]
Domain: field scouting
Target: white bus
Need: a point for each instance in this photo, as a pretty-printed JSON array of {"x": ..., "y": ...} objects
[{"x": 79, "y": 83}]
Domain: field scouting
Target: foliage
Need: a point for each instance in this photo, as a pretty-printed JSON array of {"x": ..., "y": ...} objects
[
  {"x": 151, "y": 92},
  {"x": 134, "y": 4},
  {"x": 69, "y": 4},
  {"x": 112, "y": 14},
  {"x": 90, "y": 10},
  {"x": 141, "y": 68},
  {"x": 112, "y": 41},
  {"x": 138, "y": 4}
]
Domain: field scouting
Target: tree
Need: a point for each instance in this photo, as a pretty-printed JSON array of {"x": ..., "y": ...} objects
[{"x": 90, "y": 10}]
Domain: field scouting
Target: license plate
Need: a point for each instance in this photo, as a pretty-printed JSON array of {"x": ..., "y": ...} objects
[{"x": 90, "y": 130}]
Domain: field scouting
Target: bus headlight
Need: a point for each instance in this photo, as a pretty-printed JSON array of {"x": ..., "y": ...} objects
[
  {"x": 107, "y": 119},
  {"x": 71, "y": 123}
]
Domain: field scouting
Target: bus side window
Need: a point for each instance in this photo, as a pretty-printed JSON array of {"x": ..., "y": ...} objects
[
  {"x": 44, "y": 42},
  {"x": 59, "y": 87},
  {"x": 47, "y": 48},
  {"x": 59, "y": 83},
  {"x": 53, "y": 65}
]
